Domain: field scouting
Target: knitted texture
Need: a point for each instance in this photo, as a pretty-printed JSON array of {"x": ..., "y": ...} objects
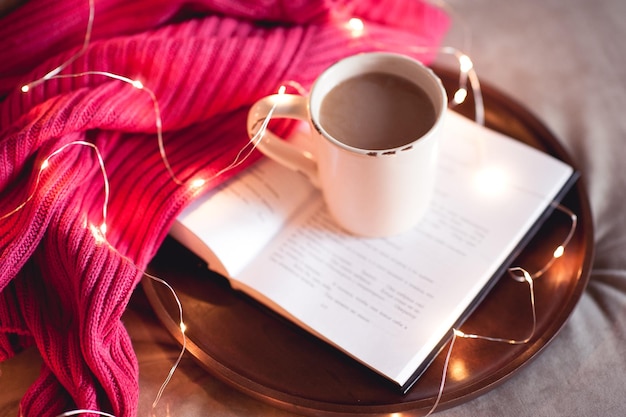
[{"x": 64, "y": 289}]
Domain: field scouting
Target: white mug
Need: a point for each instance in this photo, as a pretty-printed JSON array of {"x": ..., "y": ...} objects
[{"x": 369, "y": 192}]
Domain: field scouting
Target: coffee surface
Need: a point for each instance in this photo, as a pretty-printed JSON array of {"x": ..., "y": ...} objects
[{"x": 377, "y": 111}]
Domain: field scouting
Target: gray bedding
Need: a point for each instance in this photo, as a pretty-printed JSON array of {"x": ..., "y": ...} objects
[{"x": 565, "y": 62}]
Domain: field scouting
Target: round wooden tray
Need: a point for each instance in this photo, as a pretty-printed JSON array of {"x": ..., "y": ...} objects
[{"x": 259, "y": 353}]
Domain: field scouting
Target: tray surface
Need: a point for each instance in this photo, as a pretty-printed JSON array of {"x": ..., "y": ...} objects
[{"x": 259, "y": 353}]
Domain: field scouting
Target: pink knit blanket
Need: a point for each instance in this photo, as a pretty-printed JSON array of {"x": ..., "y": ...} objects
[{"x": 63, "y": 288}]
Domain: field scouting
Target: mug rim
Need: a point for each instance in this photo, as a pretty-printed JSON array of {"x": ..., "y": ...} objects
[{"x": 440, "y": 108}]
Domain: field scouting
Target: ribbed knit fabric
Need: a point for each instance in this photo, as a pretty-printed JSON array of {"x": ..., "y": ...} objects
[{"x": 61, "y": 288}]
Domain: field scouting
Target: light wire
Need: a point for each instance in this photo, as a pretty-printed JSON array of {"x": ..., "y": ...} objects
[{"x": 519, "y": 274}]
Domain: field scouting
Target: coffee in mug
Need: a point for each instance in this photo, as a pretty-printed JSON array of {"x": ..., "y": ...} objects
[
  {"x": 377, "y": 111},
  {"x": 375, "y": 120}
]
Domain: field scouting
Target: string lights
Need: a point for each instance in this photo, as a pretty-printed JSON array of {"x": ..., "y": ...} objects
[
  {"x": 136, "y": 84},
  {"x": 519, "y": 274},
  {"x": 560, "y": 250},
  {"x": 87, "y": 39},
  {"x": 468, "y": 80},
  {"x": 99, "y": 232},
  {"x": 46, "y": 164}
]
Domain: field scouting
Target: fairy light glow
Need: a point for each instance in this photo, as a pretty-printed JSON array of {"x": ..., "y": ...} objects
[
  {"x": 459, "y": 370},
  {"x": 356, "y": 27},
  {"x": 197, "y": 183},
  {"x": 97, "y": 234},
  {"x": 86, "y": 42},
  {"x": 558, "y": 252},
  {"x": 491, "y": 180},
  {"x": 467, "y": 73},
  {"x": 460, "y": 96},
  {"x": 465, "y": 63}
]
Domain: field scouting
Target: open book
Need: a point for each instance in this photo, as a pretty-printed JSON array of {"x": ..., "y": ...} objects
[{"x": 389, "y": 303}]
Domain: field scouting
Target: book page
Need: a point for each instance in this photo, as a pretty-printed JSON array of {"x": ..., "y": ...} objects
[
  {"x": 378, "y": 299},
  {"x": 241, "y": 216},
  {"x": 387, "y": 302}
]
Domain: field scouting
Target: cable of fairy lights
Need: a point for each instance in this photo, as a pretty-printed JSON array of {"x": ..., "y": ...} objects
[
  {"x": 246, "y": 151},
  {"x": 183, "y": 329},
  {"x": 99, "y": 232},
  {"x": 135, "y": 83},
  {"x": 46, "y": 163},
  {"x": 86, "y": 41},
  {"x": 520, "y": 275},
  {"x": 457, "y": 333},
  {"x": 558, "y": 252}
]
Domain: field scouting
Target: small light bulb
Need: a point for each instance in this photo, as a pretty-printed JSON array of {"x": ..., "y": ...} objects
[
  {"x": 197, "y": 183},
  {"x": 465, "y": 63},
  {"x": 103, "y": 229},
  {"x": 282, "y": 89},
  {"x": 183, "y": 327},
  {"x": 25, "y": 88},
  {"x": 97, "y": 233},
  {"x": 558, "y": 252},
  {"x": 45, "y": 164},
  {"x": 460, "y": 95},
  {"x": 137, "y": 84},
  {"x": 356, "y": 27}
]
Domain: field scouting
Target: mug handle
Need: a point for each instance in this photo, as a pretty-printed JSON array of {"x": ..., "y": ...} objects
[{"x": 291, "y": 155}]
